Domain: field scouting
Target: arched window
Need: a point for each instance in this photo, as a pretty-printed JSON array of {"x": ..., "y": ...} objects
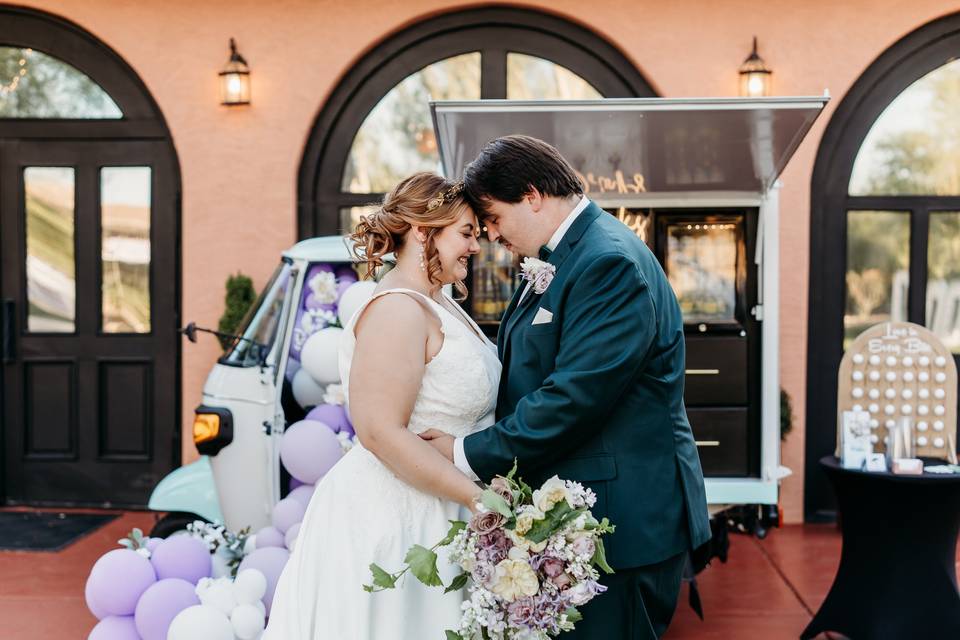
[
  {"x": 376, "y": 126},
  {"x": 885, "y": 218}
]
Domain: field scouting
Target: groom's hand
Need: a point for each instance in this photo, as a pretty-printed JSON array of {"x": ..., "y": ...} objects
[{"x": 442, "y": 442}]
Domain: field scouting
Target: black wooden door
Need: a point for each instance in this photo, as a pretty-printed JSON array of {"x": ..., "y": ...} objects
[{"x": 88, "y": 240}]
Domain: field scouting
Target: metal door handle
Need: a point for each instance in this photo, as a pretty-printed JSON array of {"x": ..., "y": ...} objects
[
  {"x": 707, "y": 443},
  {"x": 9, "y": 331},
  {"x": 703, "y": 372}
]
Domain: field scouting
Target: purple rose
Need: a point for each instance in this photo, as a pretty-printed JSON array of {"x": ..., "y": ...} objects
[
  {"x": 584, "y": 546},
  {"x": 521, "y": 612},
  {"x": 486, "y": 522},
  {"x": 552, "y": 567},
  {"x": 583, "y": 592},
  {"x": 562, "y": 581},
  {"x": 501, "y": 487}
]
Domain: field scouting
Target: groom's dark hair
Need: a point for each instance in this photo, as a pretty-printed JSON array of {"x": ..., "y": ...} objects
[{"x": 508, "y": 168}]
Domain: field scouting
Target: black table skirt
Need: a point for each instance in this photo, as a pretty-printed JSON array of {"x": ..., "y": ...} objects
[{"x": 897, "y": 576}]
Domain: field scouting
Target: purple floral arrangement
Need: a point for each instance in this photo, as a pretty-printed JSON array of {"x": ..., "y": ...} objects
[{"x": 528, "y": 558}]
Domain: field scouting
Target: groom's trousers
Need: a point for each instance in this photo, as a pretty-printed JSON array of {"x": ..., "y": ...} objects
[{"x": 638, "y": 604}]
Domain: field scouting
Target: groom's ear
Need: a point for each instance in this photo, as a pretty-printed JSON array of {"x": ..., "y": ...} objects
[{"x": 535, "y": 199}]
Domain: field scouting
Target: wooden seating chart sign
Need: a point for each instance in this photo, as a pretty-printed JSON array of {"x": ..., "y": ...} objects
[{"x": 897, "y": 370}]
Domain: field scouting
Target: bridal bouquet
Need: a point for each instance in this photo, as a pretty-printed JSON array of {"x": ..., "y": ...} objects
[{"x": 531, "y": 557}]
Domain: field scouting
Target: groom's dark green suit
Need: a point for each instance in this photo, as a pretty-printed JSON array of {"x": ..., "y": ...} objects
[{"x": 596, "y": 395}]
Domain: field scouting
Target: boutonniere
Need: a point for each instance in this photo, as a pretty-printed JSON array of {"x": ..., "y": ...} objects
[{"x": 538, "y": 273}]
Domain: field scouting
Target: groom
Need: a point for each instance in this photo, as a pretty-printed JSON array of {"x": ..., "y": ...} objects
[{"x": 592, "y": 386}]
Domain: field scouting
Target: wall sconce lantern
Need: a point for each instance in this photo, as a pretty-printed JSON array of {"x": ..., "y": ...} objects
[
  {"x": 235, "y": 79},
  {"x": 754, "y": 75}
]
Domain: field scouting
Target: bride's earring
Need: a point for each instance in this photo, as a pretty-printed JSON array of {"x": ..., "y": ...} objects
[{"x": 423, "y": 261}]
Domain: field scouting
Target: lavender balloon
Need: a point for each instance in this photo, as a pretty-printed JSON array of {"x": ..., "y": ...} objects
[
  {"x": 95, "y": 608},
  {"x": 269, "y": 537},
  {"x": 115, "y": 628},
  {"x": 287, "y": 513},
  {"x": 160, "y": 604},
  {"x": 294, "y": 484},
  {"x": 309, "y": 449},
  {"x": 270, "y": 563},
  {"x": 291, "y": 537},
  {"x": 302, "y": 494},
  {"x": 117, "y": 581},
  {"x": 332, "y": 415},
  {"x": 183, "y": 557}
]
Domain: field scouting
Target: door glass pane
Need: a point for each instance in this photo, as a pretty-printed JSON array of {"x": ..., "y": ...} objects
[
  {"x": 50, "y": 269},
  {"x": 350, "y": 217},
  {"x": 701, "y": 264},
  {"x": 912, "y": 147},
  {"x": 533, "y": 78},
  {"x": 878, "y": 270},
  {"x": 943, "y": 278},
  {"x": 494, "y": 281},
  {"x": 261, "y": 322},
  {"x": 35, "y": 85},
  {"x": 397, "y": 138},
  {"x": 125, "y": 246}
]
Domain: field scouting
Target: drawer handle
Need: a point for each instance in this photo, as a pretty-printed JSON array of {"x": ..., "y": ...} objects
[
  {"x": 703, "y": 372},
  {"x": 707, "y": 443}
]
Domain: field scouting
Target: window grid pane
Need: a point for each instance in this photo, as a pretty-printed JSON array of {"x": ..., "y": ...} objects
[
  {"x": 51, "y": 267},
  {"x": 943, "y": 278},
  {"x": 878, "y": 270},
  {"x": 533, "y": 78},
  {"x": 125, "y": 249}
]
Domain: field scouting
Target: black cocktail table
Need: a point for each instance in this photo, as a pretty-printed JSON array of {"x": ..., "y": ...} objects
[{"x": 897, "y": 575}]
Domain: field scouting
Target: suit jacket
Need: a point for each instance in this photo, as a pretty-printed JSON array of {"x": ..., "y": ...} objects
[{"x": 596, "y": 395}]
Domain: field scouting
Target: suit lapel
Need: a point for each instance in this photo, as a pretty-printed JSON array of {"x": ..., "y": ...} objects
[{"x": 517, "y": 306}]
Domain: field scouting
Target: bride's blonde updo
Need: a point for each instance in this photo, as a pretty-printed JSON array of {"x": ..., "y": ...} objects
[{"x": 423, "y": 200}]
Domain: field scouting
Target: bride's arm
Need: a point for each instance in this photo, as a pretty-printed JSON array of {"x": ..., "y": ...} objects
[{"x": 385, "y": 378}]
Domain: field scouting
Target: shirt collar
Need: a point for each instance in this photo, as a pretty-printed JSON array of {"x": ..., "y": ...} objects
[{"x": 565, "y": 225}]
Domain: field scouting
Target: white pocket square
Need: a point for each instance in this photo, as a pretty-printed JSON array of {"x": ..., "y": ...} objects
[{"x": 543, "y": 316}]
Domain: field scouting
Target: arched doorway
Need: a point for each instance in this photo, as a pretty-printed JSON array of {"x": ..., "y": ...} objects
[
  {"x": 884, "y": 220},
  {"x": 89, "y": 239},
  {"x": 376, "y": 127}
]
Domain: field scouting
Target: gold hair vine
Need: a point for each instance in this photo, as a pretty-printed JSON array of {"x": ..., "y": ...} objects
[{"x": 446, "y": 196}]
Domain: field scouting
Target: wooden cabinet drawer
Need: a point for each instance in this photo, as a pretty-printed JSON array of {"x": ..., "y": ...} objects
[
  {"x": 716, "y": 371},
  {"x": 721, "y": 435}
]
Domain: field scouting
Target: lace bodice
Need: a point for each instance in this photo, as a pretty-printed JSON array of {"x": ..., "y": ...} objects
[{"x": 459, "y": 390}]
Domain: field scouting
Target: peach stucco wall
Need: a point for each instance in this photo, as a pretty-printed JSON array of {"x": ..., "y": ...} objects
[{"x": 239, "y": 166}]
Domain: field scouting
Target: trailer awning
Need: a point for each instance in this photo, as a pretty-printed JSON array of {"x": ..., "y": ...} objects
[{"x": 641, "y": 145}]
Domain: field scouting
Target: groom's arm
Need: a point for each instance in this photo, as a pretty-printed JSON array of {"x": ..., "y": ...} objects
[{"x": 609, "y": 325}]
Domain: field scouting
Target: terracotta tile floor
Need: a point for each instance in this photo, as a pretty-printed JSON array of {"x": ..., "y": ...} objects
[{"x": 768, "y": 589}]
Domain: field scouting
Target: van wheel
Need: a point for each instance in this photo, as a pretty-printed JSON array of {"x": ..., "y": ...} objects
[{"x": 173, "y": 522}]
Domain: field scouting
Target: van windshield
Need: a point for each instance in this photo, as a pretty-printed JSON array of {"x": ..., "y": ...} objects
[{"x": 259, "y": 327}]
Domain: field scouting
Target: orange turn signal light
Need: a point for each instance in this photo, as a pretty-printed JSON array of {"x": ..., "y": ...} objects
[{"x": 206, "y": 426}]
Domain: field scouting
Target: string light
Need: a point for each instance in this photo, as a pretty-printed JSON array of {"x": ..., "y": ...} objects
[{"x": 11, "y": 86}]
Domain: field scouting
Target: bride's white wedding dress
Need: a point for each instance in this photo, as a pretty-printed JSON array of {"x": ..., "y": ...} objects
[{"x": 362, "y": 513}]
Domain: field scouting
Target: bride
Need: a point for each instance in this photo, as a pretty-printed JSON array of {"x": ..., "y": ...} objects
[{"x": 410, "y": 360}]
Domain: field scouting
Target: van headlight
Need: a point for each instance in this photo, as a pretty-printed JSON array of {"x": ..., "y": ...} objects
[{"x": 212, "y": 429}]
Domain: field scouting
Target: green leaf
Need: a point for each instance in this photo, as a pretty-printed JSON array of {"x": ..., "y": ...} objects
[
  {"x": 423, "y": 564},
  {"x": 452, "y": 635},
  {"x": 494, "y": 501},
  {"x": 600, "y": 557},
  {"x": 456, "y": 526},
  {"x": 458, "y": 583},
  {"x": 553, "y": 521},
  {"x": 513, "y": 471},
  {"x": 381, "y": 578},
  {"x": 573, "y": 614}
]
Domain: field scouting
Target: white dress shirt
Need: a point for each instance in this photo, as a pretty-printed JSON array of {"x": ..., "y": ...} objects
[{"x": 459, "y": 457}]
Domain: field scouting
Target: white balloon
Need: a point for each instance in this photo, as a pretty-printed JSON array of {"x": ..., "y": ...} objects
[
  {"x": 353, "y": 298},
  {"x": 200, "y": 622},
  {"x": 248, "y": 622},
  {"x": 219, "y": 595},
  {"x": 250, "y": 586},
  {"x": 319, "y": 355},
  {"x": 306, "y": 391}
]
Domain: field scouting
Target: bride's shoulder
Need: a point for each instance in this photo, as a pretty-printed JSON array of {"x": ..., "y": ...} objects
[{"x": 393, "y": 312}]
